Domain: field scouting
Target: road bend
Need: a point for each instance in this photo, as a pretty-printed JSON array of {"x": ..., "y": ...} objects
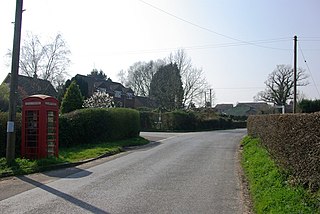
[{"x": 183, "y": 173}]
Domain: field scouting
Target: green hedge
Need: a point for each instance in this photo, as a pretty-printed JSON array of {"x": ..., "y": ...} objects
[
  {"x": 186, "y": 121},
  {"x": 293, "y": 140},
  {"x": 90, "y": 125},
  {"x": 83, "y": 126},
  {"x": 3, "y": 133}
]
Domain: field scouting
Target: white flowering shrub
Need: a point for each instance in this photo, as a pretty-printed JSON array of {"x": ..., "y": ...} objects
[{"x": 99, "y": 100}]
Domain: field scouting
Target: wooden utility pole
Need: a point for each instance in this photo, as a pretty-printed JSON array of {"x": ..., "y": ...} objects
[
  {"x": 295, "y": 75},
  {"x": 11, "y": 135},
  {"x": 210, "y": 98}
]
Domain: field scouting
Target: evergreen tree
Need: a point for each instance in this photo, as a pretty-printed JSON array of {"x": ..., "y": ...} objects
[
  {"x": 97, "y": 74},
  {"x": 72, "y": 99},
  {"x": 166, "y": 87},
  {"x": 83, "y": 85},
  {"x": 62, "y": 90}
]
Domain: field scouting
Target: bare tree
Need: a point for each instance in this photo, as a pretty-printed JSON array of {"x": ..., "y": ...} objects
[
  {"x": 279, "y": 85},
  {"x": 139, "y": 76},
  {"x": 47, "y": 61},
  {"x": 193, "y": 79}
]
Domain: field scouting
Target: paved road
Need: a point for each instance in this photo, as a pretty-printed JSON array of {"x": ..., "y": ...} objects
[{"x": 185, "y": 173}]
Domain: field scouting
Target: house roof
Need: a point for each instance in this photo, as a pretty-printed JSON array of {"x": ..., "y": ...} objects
[
  {"x": 144, "y": 102},
  {"x": 241, "y": 111},
  {"x": 28, "y": 86},
  {"x": 223, "y": 106},
  {"x": 256, "y": 105},
  {"x": 108, "y": 84}
]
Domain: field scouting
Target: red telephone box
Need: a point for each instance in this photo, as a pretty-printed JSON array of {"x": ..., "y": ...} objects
[{"x": 40, "y": 127}]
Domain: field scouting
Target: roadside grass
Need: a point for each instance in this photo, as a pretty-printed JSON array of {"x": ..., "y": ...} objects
[
  {"x": 269, "y": 187},
  {"x": 21, "y": 166}
]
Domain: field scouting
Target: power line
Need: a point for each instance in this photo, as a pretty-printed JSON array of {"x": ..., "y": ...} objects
[
  {"x": 241, "y": 88},
  {"x": 208, "y": 46},
  {"x": 308, "y": 69},
  {"x": 207, "y": 29}
]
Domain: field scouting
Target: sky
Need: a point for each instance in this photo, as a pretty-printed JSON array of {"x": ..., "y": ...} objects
[{"x": 236, "y": 43}]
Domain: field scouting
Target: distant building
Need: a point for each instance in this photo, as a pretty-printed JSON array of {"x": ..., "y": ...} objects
[
  {"x": 28, "y": 86},
  {"x": 221, "y": 108},
  {"x": 251, "y": 108},
  {"x": 122, "y": 96},
  {"x": 144, "y": 102}
]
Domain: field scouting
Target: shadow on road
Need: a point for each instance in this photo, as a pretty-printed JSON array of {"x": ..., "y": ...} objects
[
  {"x": 71, "y": 172},
  {"x": 69, "y": 198}
]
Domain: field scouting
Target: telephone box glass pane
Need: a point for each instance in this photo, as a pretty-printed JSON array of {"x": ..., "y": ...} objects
[
  {"x": 31, "y": 133},
  {"x": 51, "y": 132}
]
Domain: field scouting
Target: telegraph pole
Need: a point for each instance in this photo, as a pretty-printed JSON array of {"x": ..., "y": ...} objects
[
  {"x": 210, "y": 98},
  {"x": 295, "y": 75},
  {"x": 11, "y": 135}
]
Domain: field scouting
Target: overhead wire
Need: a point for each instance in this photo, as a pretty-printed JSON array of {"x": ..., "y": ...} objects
[
  {"x": 304, "y": 59},
  {"x": 200, "y": 47},
  {"x": 209, "y": 30}
]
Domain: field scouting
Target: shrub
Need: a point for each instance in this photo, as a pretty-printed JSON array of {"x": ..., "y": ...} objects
[
  {"x": 309, "y": 106},
  {"x": 149, "y": 120},
  {"x": 99, "y": 100},
  {"x": 72, "y": 99},
  {"x": 293, "y": 140},
  {"x": 178, "y": 120},
  {"x": 3, "y": 133},
  {"x": 90, "y": 125},
  {"x": 186, "y": 121}
]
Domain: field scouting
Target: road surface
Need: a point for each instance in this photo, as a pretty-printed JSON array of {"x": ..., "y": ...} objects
[{"x": 184, "y": 173}]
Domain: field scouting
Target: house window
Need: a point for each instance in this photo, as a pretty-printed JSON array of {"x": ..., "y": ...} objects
[
  {"x": 117, "y": 94},
  {"x": 129, "y": 96},
  {"x": 101, "y": 89}
]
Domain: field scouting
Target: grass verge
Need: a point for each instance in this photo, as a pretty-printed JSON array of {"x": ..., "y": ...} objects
[
  {"x": 269, "y": 187},
  {"x": 22, "y": 166}
]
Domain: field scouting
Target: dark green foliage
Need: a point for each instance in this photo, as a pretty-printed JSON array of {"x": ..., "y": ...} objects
[
  {"x": 3, "y": 133},
  {"x": 90, "y": 125},
  {"x": 83, "y": 85},
  {"x": 4, "y": 97},
  {"x": 179, "y": 120},
  {"x": 166, "y": 87},
  {"x": 97, "y": 74},
  {"x": 62, "y": 90},
  {"x": 185, "y": 121},
  {"x": 72, "y": 99},
  {"x": 309, "y": 106},
  {"x": 149, "y": 120}
]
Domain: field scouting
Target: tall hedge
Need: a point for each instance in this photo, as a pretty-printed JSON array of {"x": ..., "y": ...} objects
[
  {"x": 3, "y": 133},
  {"x": 294, "y": 141},
  {"x": 184, "y": 121},
  {"x": 91, "y": 125},
  {"x": 83, "y": 126}
]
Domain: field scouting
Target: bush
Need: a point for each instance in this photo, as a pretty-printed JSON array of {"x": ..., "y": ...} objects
[
  {"x": 293, "y": 140},
  {"x": 186, "y": 121},
  {"x": 83, "y": 126},
  {"x": 148, "y": 120},
  {"x": 72, "y": 99},
  {"x": 309, "y": 106},
  {"x": 178, "y": 120},
  {"x": 87, "y": 126},
  {"x": 3, "y": 133}
]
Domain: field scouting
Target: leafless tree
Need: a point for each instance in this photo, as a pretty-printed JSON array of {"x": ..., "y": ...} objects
[
  {"x": 139, "y": 76},
  {"x": 193, "y": 79},
  {"x": 279, "y": 85},
  {"x": 46, "y": 61}
]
